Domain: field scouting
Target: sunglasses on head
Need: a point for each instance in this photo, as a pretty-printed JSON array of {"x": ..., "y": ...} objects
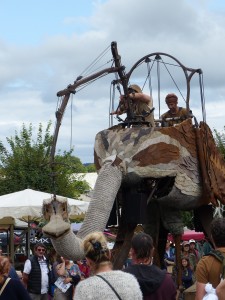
[{"x": 131, "y": 91}]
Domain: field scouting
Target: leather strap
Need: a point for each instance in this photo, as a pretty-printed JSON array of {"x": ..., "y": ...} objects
[
  {"x": 110, "y": 286},
  {"x": 4, "y": 285}
]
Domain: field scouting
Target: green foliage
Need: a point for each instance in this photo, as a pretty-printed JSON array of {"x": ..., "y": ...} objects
[
  {"x": 187, "y": 218},
  {"x": 25, "y": 164},
  {"x": 91, "y": 168},
  {"x": 220, "y": 141}
]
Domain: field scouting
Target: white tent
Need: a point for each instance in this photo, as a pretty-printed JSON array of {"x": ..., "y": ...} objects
[{"x": 27, "y": 205}]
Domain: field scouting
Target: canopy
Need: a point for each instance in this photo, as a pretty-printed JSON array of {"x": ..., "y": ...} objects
[
  {"x": 27, "y": 205},
  {"x": 189, "y": 235},
  {"x": 192, "y": 235}
]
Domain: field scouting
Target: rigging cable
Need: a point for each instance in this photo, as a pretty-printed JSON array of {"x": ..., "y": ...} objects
[
  {"x": 111, "y": 102},
  {"x": 71, "y": 122},
  {"x": 95, "y": 61},
  {"x": 158, "y": 80},
  {"x": 202, "y": 96},
  {"x": 201, "y": 85},
  {"x": 173, "y": 78},
  {"x": 149, "y": 77}
]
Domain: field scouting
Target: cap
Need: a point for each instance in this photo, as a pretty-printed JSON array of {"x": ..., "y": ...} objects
[
  {"x": 185, "y": 243},
  {"x": 171, "y": 97},
  {"x": 135, "y": 87},
  {"x": 191, "y": 241}
]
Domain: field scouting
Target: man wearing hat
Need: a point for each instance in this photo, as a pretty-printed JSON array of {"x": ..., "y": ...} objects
[
  {"x": 141, "y": 104},
  {"x": 193, "y": 249},
  {"x": 175, "y": 114}
]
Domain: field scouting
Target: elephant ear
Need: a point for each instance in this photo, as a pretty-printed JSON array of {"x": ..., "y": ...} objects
[{"x": 214, "y": 162}]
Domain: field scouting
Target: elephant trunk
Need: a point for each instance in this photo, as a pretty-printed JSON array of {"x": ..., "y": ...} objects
[
  {"x": 65, "y": 242},
  {"x": 69, "y": 246},
  {"x": 104, "y": 194}
]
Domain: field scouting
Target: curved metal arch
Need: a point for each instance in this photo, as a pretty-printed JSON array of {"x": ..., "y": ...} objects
[{"x": 188, "y": 72}]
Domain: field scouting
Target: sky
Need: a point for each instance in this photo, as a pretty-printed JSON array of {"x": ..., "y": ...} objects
[{"x": 45, "y": 45}]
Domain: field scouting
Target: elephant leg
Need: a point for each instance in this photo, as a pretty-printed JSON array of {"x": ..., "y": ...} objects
[
  {"x": 123, "y": 239},
  {"x": 152, "y": 227},
  {"x": 177, "y": 241},
  {"x": 203, "y": 217},
  {"x": 123, "y": 245}
]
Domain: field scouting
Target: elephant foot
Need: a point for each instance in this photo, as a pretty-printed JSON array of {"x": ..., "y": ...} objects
[{"x": 56, "y": 227}]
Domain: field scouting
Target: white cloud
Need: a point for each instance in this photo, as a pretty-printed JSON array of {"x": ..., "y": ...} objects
[{"x": 31, "y": 75}]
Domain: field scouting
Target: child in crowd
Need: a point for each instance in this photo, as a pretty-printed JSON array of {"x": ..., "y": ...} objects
[{"x": 186, "y": 273}]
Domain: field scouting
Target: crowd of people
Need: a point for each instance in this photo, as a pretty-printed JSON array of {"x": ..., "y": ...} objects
[
  {"x": 191, "y": 253},
  {"x": 55, "y": 277},
  {"x": 202, "y": 263}
]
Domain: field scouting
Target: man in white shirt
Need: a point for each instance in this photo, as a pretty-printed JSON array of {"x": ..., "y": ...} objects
[{"x": 36, "y": 274}]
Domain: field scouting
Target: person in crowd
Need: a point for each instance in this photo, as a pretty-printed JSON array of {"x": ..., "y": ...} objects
[
  {"x": 128, "y": 261},
  {"x": 169, "y": 256},
  {"x": 193, "y": 249},
  {"x": 185, "y": 253},
  {"x": 68, "y": 277},
  {"x": 104, "y": 282},
  {"x": 141, "y": 104},
  {"x": 10, "y": 288},
  {"x": 209, "y": 267},
  {"x": 186, "y": 273},
  {"x": 155, "y": 283},
  {"x": 12, "y": 271},
  {"x": 85, "y": 270},
  {"x": 54, "y": 276},
  {"x": 175, "y": 114},
  {"x": 220, "y": 290},
  {"x": 36, "y": 274},
  {"x": 207, "y": 247}
]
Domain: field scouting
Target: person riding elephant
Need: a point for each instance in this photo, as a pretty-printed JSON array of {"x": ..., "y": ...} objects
[
  {"x": 175, "y": 114},
  {"x": 141, "y": 105}
]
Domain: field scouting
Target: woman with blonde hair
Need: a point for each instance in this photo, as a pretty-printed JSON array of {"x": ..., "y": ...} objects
[
  {"x": 104, "y": 283},
  {"x": 10, "y": 288}
]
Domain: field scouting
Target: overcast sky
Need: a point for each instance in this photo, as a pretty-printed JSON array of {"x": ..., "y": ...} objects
[{"x": 46, "y": 44}]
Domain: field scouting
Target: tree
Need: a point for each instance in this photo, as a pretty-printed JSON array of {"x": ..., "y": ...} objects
[
  {"x": 91, "y": 168},
  {"x": 220, "y": 141},
  {"x": 26, "y": 165}
]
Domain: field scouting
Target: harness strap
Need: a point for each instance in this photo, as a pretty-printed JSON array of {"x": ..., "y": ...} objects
[
  {"x": 4, "y": 285},
  {"x": 110, "y": 286}
]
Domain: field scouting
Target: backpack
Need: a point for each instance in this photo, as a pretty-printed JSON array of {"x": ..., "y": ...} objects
[{"x": 221, "y": 257}]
